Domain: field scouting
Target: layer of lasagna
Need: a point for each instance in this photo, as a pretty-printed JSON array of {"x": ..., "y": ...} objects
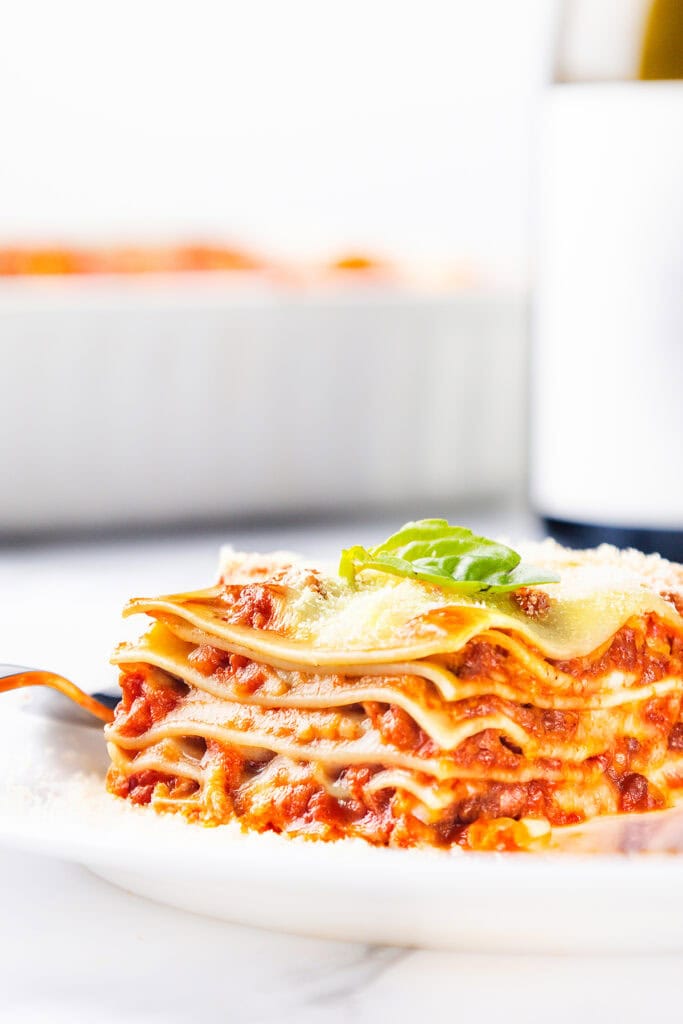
[{"x": 290, "y": 700}]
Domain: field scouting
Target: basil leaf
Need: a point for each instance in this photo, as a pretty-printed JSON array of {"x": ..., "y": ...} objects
[{"x": 448, "y": 556}]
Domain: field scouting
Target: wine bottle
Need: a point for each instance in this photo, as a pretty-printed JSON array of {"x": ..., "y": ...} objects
[{"x": 607, "y": 348}]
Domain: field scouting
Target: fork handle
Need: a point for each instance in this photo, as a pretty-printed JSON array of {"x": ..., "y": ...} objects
[
  {"x": 110, "y": 700},
  {"x": 17, "y": 676}
]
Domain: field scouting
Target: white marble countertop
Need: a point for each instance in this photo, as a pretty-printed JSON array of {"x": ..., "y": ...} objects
[{"x": 73, "y": 948}]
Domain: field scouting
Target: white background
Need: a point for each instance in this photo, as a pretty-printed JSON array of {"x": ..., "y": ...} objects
[{"x": 306, "y": 127}]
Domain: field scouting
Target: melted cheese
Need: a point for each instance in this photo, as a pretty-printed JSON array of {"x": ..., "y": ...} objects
[{"x": 385, "y": 618}]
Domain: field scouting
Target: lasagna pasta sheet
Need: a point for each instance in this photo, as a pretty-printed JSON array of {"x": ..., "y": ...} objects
[{"x": 393, "y": 710}]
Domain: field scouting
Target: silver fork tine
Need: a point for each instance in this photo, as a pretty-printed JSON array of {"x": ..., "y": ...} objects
[{"x": 14, "y": 670}]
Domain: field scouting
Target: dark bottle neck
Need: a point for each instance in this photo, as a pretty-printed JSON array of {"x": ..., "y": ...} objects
[{"x": 668, "y": 543}]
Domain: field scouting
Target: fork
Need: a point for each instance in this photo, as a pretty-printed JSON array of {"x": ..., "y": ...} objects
[{"x": 14, "y": 677}]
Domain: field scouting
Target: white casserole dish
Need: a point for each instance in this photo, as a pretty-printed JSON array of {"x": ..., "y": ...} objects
[{"x": 129, "y": 401}]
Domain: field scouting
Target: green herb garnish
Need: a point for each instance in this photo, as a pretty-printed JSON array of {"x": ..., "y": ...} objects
[{"x": 448, "y": 556}]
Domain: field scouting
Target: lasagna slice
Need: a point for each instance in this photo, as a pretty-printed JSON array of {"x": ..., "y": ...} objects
[{"x": 387, "y": 707}]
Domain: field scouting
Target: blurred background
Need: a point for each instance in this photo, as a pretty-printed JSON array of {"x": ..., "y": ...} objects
[
  {"x": 266, "y": 262},
  {"x": 286, "y": 275}
]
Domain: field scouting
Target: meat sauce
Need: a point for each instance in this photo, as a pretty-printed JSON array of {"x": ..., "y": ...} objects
[
  {"x": 144, "y": 700},
  {"x": 258, "y": 605},
  {"x": 645, "y": 649},
  {"x": 395, "y": 726},
  {"x": 253, "y": 604}
]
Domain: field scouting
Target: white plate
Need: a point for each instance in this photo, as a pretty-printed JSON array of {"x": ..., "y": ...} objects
[{"x": 52, "y": 801}]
